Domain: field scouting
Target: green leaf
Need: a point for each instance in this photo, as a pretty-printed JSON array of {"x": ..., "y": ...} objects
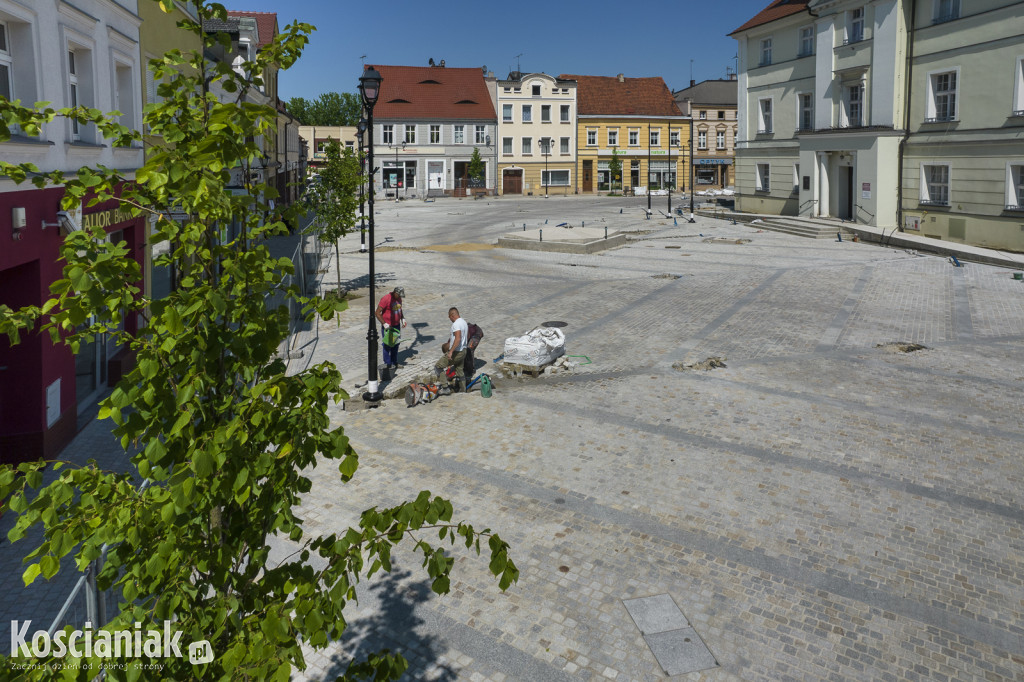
[{"x": 30, "y": 574}]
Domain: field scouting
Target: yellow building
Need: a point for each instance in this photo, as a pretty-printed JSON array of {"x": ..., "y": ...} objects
[{"x": 637, "y": 121}]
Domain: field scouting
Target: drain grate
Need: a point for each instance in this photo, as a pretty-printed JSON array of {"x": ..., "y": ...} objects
[
  {"x": 676, "y": 646},
  {"x": 554, "y": 323}
]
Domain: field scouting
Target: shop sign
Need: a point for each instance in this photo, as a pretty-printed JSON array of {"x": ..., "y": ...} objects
[
  {"x": 865, "y": 190},
  {"x": 111, "y": 216},
  {"x": 712, "y": 162}
]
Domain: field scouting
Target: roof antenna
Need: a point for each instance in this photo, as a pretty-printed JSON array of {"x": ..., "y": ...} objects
[{"x": 518, "y": 68}]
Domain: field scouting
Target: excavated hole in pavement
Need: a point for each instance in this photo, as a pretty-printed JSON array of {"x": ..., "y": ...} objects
[
  {"x": 709, "y": 364},
  {"x": 901, "y": 347}
]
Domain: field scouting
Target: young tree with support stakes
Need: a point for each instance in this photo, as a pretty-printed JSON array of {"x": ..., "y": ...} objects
[
  {"x": 334, "y": 199},
  {"x": 476, "y": 166},
  {"x": 209, "y": 415},
  {"x": 615, "y": 169}
]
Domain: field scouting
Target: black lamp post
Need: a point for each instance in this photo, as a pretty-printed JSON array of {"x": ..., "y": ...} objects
[
  {"x": 671, "y": 169},
  {"x": 648, "y": 168},
  {"x": 369, "y": 89},
  {"x": 545, "y": 148},
  {"x": 691, "y": 158},
  {"x": 360, "y": 131},
  {"x": 397, "y": 146}
]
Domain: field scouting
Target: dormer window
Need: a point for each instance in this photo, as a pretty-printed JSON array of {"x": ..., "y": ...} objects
[{"x": 536, "y": 90}]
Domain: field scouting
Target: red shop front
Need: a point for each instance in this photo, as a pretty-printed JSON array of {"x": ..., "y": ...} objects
[{"x": 44, "y": 387}]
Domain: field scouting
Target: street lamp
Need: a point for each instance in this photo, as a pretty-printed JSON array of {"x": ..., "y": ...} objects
[
  {"x": 369, "y": 89},
  {"x": 690, "y": 107},
  {"x": 545, "y": 150},
  {"x": 360, "y": 131},
  {"x": 405, "y": 184},
  {"x": 649, "y": 169},
  {"x": 671, "y": 169}
]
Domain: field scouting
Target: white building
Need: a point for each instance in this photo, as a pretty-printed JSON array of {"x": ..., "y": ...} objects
[{"x": 852, "y": 110}]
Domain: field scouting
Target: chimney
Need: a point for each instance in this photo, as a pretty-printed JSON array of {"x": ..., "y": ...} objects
[
  {"x": 622, "y": 78},
  {"x": 692, "y": 82},
  {"x": 732, "y": 76},
  {"x": 442, "y": 63}
]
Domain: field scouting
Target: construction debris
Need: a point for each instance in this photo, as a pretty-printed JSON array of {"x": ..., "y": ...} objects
[
  {"x": 706, "y": 365},
  {"x": 901, "y": 347}
]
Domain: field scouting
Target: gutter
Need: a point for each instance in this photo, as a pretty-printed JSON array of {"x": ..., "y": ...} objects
[{"x": 906, "y": 116}]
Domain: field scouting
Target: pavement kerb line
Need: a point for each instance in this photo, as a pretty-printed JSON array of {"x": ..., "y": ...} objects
[
  {"x": 842, "y": 316},
  {"x": 680, "y": 352},
  {"x": 963, "y": 326},
  {"x": 791, "y": 461},
  {"x": 788, "y": 571}
]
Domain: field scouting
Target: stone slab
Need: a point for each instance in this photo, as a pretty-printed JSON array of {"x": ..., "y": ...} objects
[
  {"x": 680, "y": 651},
  {"x": 656, "y": 614}
]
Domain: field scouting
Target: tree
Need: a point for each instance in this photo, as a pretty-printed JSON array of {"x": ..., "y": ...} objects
[
  {"x": 476, "y": 166},
  {"x": 615, "y": 169},
  {"x": 329, "y": 109},
  {"x": 224, "y": 435},
  {"x": 334, "y": 197}
]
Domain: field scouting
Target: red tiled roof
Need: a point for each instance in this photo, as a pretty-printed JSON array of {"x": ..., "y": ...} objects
[
  {"x": 266, "y": 24},
  {"x": 777, "y": 10},
  {"x": 607, "y": 96},
  {"x": 432, "y": 92}
]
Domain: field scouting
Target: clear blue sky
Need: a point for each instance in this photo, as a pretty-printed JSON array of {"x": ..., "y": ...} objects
[{"x": 598, "y": 38}]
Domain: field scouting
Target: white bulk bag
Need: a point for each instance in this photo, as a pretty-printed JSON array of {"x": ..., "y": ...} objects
[{"x": 536, "y": 348}]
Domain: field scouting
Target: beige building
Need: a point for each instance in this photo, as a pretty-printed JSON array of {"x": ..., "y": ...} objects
[
  {"x": 536, "y": 133},
  {"x": 711, "y": 105},
  {"x": 315, "y": 139},
  {"x": 852, "y": 110}
]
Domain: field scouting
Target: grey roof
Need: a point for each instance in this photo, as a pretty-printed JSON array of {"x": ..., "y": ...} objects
[
  {"x": 710, "y": 92},
  {"x": 229, "y": 25}
]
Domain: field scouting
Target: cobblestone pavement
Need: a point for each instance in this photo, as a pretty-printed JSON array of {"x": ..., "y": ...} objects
[{"x": 824, "y": 507}]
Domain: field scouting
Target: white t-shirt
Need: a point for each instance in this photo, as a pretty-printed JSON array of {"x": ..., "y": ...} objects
[{"x": 459, "y": 325}]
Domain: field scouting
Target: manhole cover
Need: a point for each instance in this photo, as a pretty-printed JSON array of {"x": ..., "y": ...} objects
[{"x": 554, "y": 323}]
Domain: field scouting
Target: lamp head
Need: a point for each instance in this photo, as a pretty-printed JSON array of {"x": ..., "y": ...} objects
[{"x": 369, "y": 85}]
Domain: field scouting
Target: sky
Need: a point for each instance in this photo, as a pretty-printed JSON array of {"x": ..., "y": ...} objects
[{"x": 642, "y": 38}]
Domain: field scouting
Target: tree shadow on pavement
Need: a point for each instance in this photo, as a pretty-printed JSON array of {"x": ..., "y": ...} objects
[
  {"x": 383, "y": 280},
  {"x": 395, "y": 625}
]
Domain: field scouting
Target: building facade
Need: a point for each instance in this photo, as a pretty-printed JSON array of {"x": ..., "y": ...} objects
[
  {"x": 83, "y": 54},
  {"x": 427, "y": 122},
  {"x": 852, "y": 110},
  {"x": 537, "y": 132},
  {"x": 317, "y": 137},
  {"x": 637, "y": 122},
  {"x": 711, "y": 106}
]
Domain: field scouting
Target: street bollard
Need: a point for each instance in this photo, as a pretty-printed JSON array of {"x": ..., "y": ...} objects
[
  {"x": 541, "y": 232},
  {"x": 606, "y": 232}
]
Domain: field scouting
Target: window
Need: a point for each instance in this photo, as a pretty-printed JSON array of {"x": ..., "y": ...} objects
[
  {"x": 702, "y": 139},
  {"x": 527, "y": 145},
  {"x": 536, "y": 90},
  {"x": 6, "y": 64},
  {"x": 634, "y": 138},
  {"x": 555, "y": 178},
  {"x": 935, "y": 184},
  {"x": 591, "y": 138},
  {"x": 1018, "y": 89},
  {"x": 565, "y": 113},
  {"x": 460, "y": 134},
  {"x": 662, "y": 175},
  {"x": 387, "y": 134},
  {"x": 764, "y": 121},
  {"x": 853, "y": 104},
  {"x": 545, "y": 146},
  {"x": 321, "y": 146},
  {"x": 766, "y": 52},
  {"x": 564, "y": 145},
  {"x": 508, "y": 88},
  {"x": 1015, "y": 187},
  {"x": 805, "y": 111},
  {"x": 435, "y": 134},
  {"x": 673, "y": 138},
  {"x": 410, "y": 134},
  {"x": 720, "y": 139},
  {"x": 124, "y": 91},
  {"x": 506, "y": 113},
  {"x": 806, "y": 42},
  {"x": 941, "y": 104},
  {"x": 73, "y": 85},
  {"x": 527, "y": 113},
  {"x": 946, "y": 10},
  {"x": 401, "y": 175},
  {"x": 656, "y": 137},
  {"x": 855, "y": 28},
  {"x": 481, "y": 135},
  {"x": 721, "y": 115},
  {"x": 506, "y": 145},
  {"x": 545, "y": 113},
  {"x": 703, "y": 115},
  {"x": 762, "y": 181},
  {"x": 613, "y": 137}
]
